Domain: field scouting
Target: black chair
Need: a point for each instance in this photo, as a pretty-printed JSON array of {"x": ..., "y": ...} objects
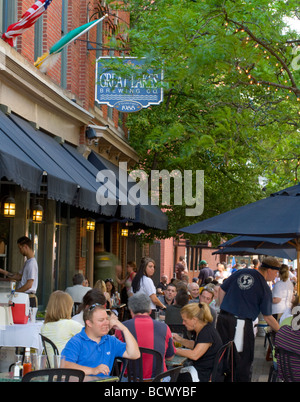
[
  {"x": 54, "y": 375},
  {"x": 288, "y": 365},
  {"x": 269, "y": 338},
  {"x": 135, "y": 367},
  {"x": 46, "y": 341},
  {"x": 224, "y": 364},
  {"x": 75, "y": 308},
  {"x": 172, "y": 373},
  {"x": 119, "y": 367}
]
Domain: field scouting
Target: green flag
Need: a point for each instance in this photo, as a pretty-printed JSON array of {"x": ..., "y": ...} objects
[{"x": 43, "y": 62}]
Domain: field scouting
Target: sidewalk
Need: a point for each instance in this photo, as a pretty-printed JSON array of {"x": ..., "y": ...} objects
[{"x": 261, "y": 367}]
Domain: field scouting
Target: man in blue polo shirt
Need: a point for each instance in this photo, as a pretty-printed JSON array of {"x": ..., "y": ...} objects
[
  {"x": 92, "y": 350},
  {"x": 243, "y": 296}
]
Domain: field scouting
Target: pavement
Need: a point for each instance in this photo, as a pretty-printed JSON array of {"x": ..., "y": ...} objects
[{"x": 261, "y": 366}]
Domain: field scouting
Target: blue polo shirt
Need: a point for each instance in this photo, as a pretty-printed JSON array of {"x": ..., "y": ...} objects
[{"x": 80, "y": 349}]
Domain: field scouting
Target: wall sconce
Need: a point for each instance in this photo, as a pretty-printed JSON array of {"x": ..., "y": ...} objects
[
  {"x": 9, "y": 207},
  {"x": 90, "y": 225},
  {"x": 124, "y": 232},
  {"x": 37, "y": 213}
]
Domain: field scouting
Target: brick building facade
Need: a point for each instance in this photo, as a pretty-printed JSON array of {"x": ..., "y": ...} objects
[{"x": 60, "y": 103}]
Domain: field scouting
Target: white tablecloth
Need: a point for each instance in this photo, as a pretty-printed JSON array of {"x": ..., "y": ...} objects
[{"x": 22, "y": 335}]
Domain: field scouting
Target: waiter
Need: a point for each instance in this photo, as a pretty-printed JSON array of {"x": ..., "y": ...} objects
[
  {"x": 28, "y": 276},
  {"x": 244, "y": 295}
]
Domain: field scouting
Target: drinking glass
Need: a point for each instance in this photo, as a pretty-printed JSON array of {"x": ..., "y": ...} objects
[
  {"x": 58, "y": 361},
  {"x": 39, "y": 362}
]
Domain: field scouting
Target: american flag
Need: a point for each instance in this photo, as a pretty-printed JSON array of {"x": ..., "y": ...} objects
[{"x": 26, "y": 21}]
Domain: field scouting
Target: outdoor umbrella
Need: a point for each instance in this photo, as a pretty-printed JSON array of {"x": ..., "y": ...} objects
[
  {"x": 257, "y": 242},
  {"x": 289, "y": 254},
  {"x": 247, "y": 245},
  {"x": 275, "y": 216}
]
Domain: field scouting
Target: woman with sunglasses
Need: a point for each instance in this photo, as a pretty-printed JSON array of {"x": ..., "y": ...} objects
[{"x": 142, "y": 282}]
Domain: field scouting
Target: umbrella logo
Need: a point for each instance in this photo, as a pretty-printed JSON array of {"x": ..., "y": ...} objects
[{"x": 245, "y": 281}]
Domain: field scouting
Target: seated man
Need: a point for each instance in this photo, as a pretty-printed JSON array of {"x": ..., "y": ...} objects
[
  {"x": 162, "y": 286},
  {"x": 148, "y": 332},
  {"x": 92, "y": 350},
  {"x": 173, "y": 315},
  {"x": 79, "y": 289},
  {"x": 193, "y": 288},
  {"x": 168, "y": 298},
  {"x": 207, "y": 296}
]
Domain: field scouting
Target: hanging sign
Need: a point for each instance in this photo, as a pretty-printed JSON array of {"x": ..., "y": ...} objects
[{"x": 130, "y": 94}]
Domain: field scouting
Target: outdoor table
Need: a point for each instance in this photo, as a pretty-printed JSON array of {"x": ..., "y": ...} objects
[
  {"x": 176, "y": 361},
  {"x": 9, "y": 377},
  {"x": 22, "y": 335}
]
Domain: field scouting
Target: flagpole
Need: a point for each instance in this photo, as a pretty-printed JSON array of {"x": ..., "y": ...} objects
[
  {"x": 81, "y": 33},
  {"x": 46, "y": 56}
]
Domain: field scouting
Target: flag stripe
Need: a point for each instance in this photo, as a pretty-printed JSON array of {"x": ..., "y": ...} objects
[{"x": 26, "y": 21}]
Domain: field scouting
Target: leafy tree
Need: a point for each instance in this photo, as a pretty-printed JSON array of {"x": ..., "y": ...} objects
[{"x": 231, "y": 96}]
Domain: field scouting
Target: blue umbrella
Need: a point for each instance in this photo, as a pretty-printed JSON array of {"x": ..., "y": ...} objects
[
  {"x": 258, "y": 242},
  {"x": 275, "y": 216},
  {"x": 289, "y": 254}
]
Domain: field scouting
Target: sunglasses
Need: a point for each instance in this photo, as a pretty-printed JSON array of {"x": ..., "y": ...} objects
[{"x": 93, "y": 306}]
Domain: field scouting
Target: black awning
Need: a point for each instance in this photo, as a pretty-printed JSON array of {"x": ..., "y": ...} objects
[
  {"x": 70, "y": 179},
  {"x": 16, "y": 165},
  {"x": 61, "y": 187},
  {"x": 111, "y": 207},
  {"x": 26, "y": 154},
  {"x": 148, "y": 215},
  {"x": 101, "y": 164}
]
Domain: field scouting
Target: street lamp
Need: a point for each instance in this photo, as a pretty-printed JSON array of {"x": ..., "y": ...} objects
[
  {"x": 37, "y": 213},
  {"x": 9, "y": 207},
  {"x": 90, "y": 225}
]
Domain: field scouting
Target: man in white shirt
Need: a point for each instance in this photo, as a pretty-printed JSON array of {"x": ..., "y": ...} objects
[
  {"x": 78, "y": 290},
  {"x": 28, "y": 276}
]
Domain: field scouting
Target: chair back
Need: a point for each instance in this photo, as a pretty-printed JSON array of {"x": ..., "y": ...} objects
[
  {"x": 288, "y": 365},
  {"x": 270, "y": 339},
  {"x": 135, "y": 367},
  {"x": 48, "y": 341},
  {"x": 223, "y": 363},
  {"x": 119, "y": 367},
  {"x": 75, "y": 308},
  {"x": 172, "y": 373},
  {"x": 54, "y": 375}
]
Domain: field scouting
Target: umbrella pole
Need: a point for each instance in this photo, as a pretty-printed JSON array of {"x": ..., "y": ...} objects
[{"x": 298, "y": 268}]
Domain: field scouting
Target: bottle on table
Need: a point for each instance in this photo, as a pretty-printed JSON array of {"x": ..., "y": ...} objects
[{"x": 27, "y": 362}]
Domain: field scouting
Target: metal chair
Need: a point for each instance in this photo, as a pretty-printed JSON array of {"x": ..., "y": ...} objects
[
  {"x": 223, "y": 363},
  {"x": 269, "y": 337},
  {"x": 172, "y": 373},
  {"x": 75, "y": 308},
  {"x": 119, "y": 367},
  {"x": 46, "y": 340},
  {"x": 288, "y": 365},
  {"x": 54, "y": 375},
  {"x": 135, "y": 367}
]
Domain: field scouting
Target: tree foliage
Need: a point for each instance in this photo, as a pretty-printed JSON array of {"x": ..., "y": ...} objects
[{"x": 231, "y": 96}]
